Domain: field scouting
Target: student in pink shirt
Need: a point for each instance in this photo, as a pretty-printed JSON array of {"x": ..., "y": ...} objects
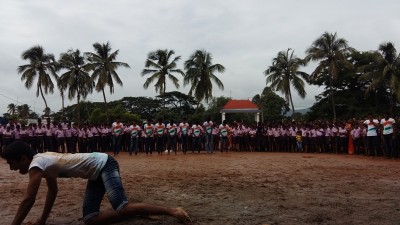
[
  {"x": 49, "y": 139},
  {"x": 356, "y": 134},
  {"x": 60, "y": 136}
]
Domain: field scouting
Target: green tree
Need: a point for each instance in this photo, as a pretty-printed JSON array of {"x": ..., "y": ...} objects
[
  {"x": 284, "y": 73},
  {"x": 47, "y": 111},
  {"x": 351, "y": 96},
  {"x": 177, "y": 105},
  {"x": 200, "y": 72},
  {"x": 214, "y": 108},
  {"x": 23, "y": 111},
  {"x": 76, "y": 77},
  {"x": 330, "y": 51},
  {"x": 12, "y": 108},
  {"x": 144, "y": 106},
  {"x": 160, "y": 67},
  {"x": 40, "y": 67},
  {"x": 384, "y": 72},
  {"x": 104, "y": 67},
  {"x": 272, "y": 105}
]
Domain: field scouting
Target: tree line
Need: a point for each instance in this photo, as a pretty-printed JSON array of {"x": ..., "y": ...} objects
[
  {"x": 77, "y": 74},
  {"x": 355, "y": 82}
]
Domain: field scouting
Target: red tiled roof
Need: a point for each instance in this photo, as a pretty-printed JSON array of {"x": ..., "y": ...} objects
[{"x": 240, "y": 104}]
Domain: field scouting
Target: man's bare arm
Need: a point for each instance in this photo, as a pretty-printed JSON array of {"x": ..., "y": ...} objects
[
  {"x": 35, "y": 177},
  {"x": 50, "y": 198}
]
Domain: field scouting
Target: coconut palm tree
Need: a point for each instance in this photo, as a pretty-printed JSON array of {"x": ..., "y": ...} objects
[
  {"x": 102, "y": 63},
  {"x": 200, "y": 74},
  {"x": 384, "y": 71},
  {"x": 76, "y": 79},
  {"x": 41, "y": 67},
  {"x": 284, "y": 73},
  {"x": 162, "y": 68},
  {"x": 329, "y": 51},
  {"x": 12, "y": 108},
  {"x": 61, "y": 88},
  {"x": 23, "y": 111}
]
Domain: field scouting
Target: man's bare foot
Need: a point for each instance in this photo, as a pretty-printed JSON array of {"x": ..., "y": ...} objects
[{"x": 182, "y": 215}]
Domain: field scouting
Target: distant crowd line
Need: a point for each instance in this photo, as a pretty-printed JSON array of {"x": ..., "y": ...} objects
[{"x": 371, "y": 137}]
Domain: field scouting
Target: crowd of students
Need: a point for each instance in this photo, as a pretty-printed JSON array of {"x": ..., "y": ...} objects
[{"x": 370, "y": 137}]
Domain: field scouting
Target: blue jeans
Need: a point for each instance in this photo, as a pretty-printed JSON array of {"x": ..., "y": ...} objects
[
  {"x": 109, "y": 180},
  {"x": 116, "y": 141},
  {"x": 209, "y": 145},
  {"x": 299, "y": 146}
]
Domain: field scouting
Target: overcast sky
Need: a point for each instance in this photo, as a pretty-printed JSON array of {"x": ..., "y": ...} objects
[{"x": 243, "y": 36}]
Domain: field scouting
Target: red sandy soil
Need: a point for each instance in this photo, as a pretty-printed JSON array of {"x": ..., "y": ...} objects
[{"x": 236, "y": 188}]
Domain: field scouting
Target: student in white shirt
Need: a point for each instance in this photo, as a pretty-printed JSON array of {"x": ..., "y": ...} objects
[
  {"x": 372, "y": 135},
  {"x": 184, "y": 135},
  {"x": 117, "y": 130},
  {"x": 134, "y": 131},
  {"x": 148, "y": 129},
  {"x": 172, "y": 132},
  {"x": 208, "y": 127},
  {"x": 223, "y": 134},
  {"x": 388, "y": 130}
]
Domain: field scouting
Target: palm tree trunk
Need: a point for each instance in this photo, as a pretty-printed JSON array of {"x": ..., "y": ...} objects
[
  {"x": 45, "y": 102},
  {"x": 105, "y": 106},
  {"x": 78, "y": 110},
  {"x": 291, "y": 101},
  {"x": 391, "y": 102},
  {"x": 163, "y": 94},
  {"x": 332, "y": 98},
  {"x": 62, "y": 104},
  {"x": 197, "y": 107}
]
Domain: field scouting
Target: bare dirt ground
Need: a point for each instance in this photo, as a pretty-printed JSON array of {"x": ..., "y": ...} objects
[{"x": 236, "y": 188}]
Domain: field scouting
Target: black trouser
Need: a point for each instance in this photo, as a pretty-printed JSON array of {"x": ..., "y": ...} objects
[
  {"x": 134, "y": 145},
  {"x": 82, "y": 145},
  {"x": 196, "y": 144},
  {"x": 357, "y": 146},
  {"x": 61, "y": 144},
  {"x": 388, "y": 143},
  {"x": 184, "y": 143},
  {"x": 49, "y": 143},
  {"x": 372, "y": 145},
  {"x": 342, "y": 145},
  {"x": 172, "y": 143},
  {"x": 96, "y": 143},
  {"x": 74, "y": 140},
  {"x": 160, "y": 144},
  {"x": 149, "y": 145},
  {"x": 40, "y": 143}
]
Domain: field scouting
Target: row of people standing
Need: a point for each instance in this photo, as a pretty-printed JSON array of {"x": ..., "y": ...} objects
[
  {"x": 58, "y": 137},
  {"x": 169, "y": 136},
  {"x": 370, "y": 137},
  {"x": 373, "y": 137}
]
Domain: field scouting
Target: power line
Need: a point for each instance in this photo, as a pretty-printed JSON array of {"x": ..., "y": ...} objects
[{"x": 18, "y": 102}]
